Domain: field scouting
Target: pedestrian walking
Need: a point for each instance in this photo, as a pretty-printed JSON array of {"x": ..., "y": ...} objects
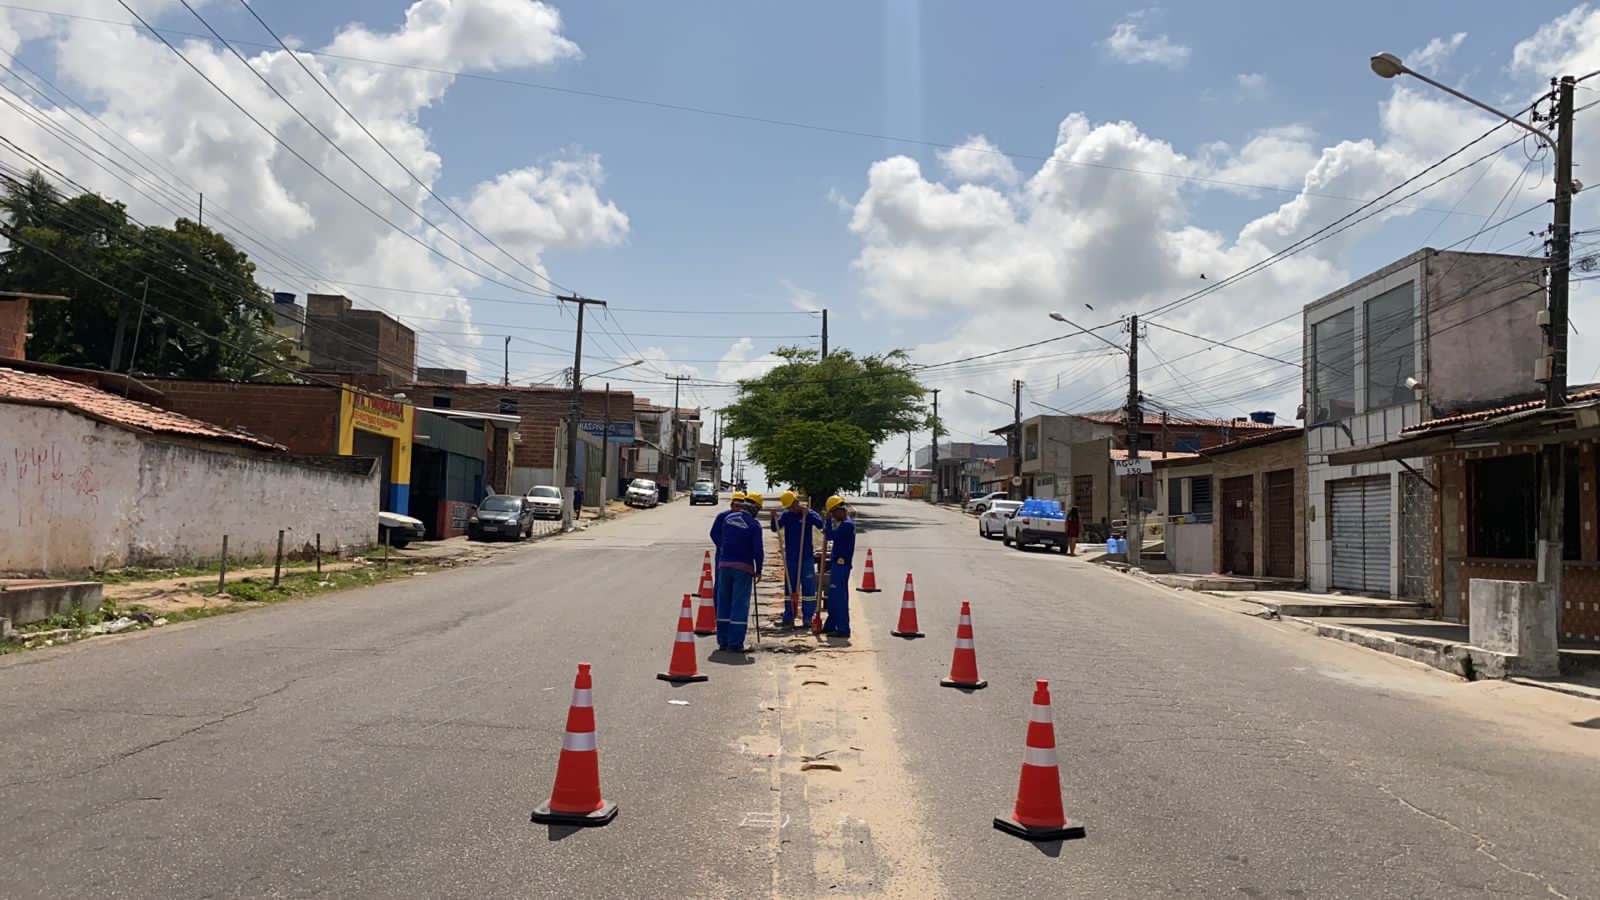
[
  {"x": 840, "y": 536},
  {"x": 739, "y": 560},
  {"x": 1074, "y": 527},
  {"x": 794, "y": 526}
]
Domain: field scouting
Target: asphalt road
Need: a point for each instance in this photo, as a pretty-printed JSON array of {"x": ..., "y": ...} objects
[{"x": 391, "y": 742}]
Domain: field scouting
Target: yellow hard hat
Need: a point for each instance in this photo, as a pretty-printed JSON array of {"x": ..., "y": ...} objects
[
  {"x": 786, "y": 499},
  {"x": 754, "y": 497},
  {"x": 736, "y": 495},
  {"x": 833, "y": 501}
]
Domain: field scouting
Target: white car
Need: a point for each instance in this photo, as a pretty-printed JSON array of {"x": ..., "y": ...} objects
[
  {"x": 545, "y": 500},
  {"x": 992, "y": 523},
  {"x": 643, "y": 493},
  {"x": 397, "y": 530},
  {"x": 979, "y": 504}
]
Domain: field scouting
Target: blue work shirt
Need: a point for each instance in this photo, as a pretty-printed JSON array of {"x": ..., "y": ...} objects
[
  {"x": 796, "y": 530},
  {"x": 739, "y": 541},
  {"x": 843, "y": 535},
  {"x": 716, "y": 529}
]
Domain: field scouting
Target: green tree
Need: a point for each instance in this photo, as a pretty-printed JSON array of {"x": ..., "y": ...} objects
[
  {"x": 879, "y": 395},
  {"x": 820, "y": 457},
  {"x": 183, "y": 300}
]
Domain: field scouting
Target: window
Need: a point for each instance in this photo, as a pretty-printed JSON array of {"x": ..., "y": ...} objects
[
  {"x": 1200, "y": 498},
  {"x": 1390, "y": 338},
  {"x": 508, "y": 405},
  {"x": 1333, "y": 349},
  {"x": 1186, "y": 443},
  {"x": 440, "y": 401},
  {"x": 1504, "y": 510},
  {"x": 1030, "y": 444}
]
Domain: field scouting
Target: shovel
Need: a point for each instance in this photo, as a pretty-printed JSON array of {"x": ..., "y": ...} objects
[{"x": 822, "y": 596}]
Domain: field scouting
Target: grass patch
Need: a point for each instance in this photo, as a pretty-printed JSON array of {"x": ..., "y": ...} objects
[
  {"x": 300, "y": 584},
  {"x": 133, "y": 574}
]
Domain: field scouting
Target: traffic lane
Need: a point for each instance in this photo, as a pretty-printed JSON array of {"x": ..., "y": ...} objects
[
  {"x": 392, "y": 741},
  {"x": 1208, "y": 751}
]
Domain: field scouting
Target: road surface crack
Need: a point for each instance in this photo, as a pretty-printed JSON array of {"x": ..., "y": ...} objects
[{"x": 1483, "y": 844}]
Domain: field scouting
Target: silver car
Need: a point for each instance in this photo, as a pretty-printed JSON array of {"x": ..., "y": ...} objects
[
  {"x": 545, "y": 500},
  {"x": 643, "y": 493},
  {"x": 992, "y": 523}
]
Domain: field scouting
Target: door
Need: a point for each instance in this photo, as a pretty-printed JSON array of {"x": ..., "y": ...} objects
[
  {"x": 1281, "y": 546},
  {"x": 1359, "y": 517},
  {"x": 1414, "y": 536},
  {"x": 1238, "y": 525}
]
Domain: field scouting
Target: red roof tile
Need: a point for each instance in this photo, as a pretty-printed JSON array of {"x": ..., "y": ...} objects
[
  {"x": 1574, "y": 395},
  {"x": 43, "y": 390},
  {"x": 1117, "y": 417},
  {"x": 1147, "y": 453}
]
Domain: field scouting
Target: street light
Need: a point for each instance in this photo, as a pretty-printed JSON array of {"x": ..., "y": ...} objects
[
  {"x": 1094, "y": 334},
  {"x": 987, "y": 397},
  {"x": 626, "y": 365},
  {"x": 1387, "y": 65}
]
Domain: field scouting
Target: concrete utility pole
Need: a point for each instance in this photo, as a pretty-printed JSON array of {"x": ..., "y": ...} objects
[
  {"x": 716, "y": 455},
  {"x": 1135, "y": 422},
  {"x": 1163, "y": 434},
  {"x": 573, "y": 417},
  {"x": 1552, "y": 457},
  {"x": 934, "y": 495},
  {"x": 605, "y": 455},
  {"x": 824, "y": 334},
  {"x": 677, "y": 382},
  {"x": 507, "y": 377},
  {"x": 1016, "y": 433}
]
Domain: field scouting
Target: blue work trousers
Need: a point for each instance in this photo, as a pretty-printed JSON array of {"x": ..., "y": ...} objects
[
  {"x": 838, "y": 621},
  {"x": 800, "y": 575},
  {"x": 733, "y": 606}
]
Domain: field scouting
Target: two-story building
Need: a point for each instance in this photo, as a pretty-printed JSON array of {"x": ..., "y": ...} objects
[{"x": 1405, "y": 344}]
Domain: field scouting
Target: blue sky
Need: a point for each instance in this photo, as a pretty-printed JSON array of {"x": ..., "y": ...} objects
[{"x": 726, "y": 217}]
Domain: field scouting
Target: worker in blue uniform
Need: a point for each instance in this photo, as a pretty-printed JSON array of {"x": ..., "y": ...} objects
[
  {"x": 739, "y": 558},
  {"x": 794, "y": 524},
  {"x": 735, "y": 503},
  {"x": 840, "y": 538}
]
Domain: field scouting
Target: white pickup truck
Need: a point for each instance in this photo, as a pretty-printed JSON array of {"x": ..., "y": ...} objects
[{"x": 1037, "y": 522}]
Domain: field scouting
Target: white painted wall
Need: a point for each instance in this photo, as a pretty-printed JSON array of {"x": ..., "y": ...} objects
[
  {"x": 1189, "y": 547},
  {"x": 76, "y": 494}
]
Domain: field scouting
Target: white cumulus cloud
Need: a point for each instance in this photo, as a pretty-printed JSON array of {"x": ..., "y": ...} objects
[
  {"x": 976, "y": 159},
  {"x": 1129, "y": 44}
]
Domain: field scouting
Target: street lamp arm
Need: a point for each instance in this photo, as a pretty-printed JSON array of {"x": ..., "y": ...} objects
[
  {"x": 1094, "y": 334},
  {"x": 1387, "y": 65},
  {"x": 986, "y": 397}
]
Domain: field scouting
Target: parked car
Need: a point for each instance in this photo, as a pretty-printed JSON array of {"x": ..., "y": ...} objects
[
  {"x": 642, "y": 493},
  {"x": 1037, "y": 521},
  {"x": 545, "y": 500},
  {"x": 703, "y": 492},
  {"x": 397, "y": 530},
  {"x": 501, "y": 515},
  {"x": 979, "y": 504},
  {"x": 992, "y": 523}
]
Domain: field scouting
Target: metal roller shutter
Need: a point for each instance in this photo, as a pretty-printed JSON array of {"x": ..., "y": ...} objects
[{"x": 1359, "y": 510}]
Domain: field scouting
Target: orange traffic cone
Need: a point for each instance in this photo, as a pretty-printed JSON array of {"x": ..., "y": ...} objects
[
  {"x": 575, "y": 799},
  {"x": 908, "y": 613},
  {"x": 964, "y": 662},
  {"x": 706, "y": 618},
  {"x": 706, "y": 579},
  {"x": 681, "y": 670},
  {"x": 1038, "y": 815},
  {"x": 869, "y": 578}
]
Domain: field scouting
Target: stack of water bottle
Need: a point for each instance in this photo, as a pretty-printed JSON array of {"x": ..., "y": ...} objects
[{"x": 1115, "y": 544}]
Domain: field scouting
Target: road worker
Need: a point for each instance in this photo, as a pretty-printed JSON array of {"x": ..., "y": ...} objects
[
  {"x": 739, "y": 557},
  {"x": 735, "y": 504},
  {"x": 839, "y": 535},
  {"x": 794, "y": 525}
]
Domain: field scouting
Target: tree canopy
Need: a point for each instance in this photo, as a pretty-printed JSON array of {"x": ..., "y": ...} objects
[
  {"x": 179, "y": 301},
  {"x": 875, "y": 396}
]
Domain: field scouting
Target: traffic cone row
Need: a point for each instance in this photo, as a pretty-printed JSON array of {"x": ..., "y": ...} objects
[
  {"x": 1037, "y": 815},
  {"x": 706, "y": 579}
]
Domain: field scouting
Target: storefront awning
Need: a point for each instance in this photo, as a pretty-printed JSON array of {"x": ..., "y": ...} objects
[{"x": 1579, "y": 421}]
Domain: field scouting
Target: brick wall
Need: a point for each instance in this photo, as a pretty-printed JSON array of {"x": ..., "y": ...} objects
[
  {"x": 13, "y": 327},
  {"x": 542, "y": 411},
  {"x": 1256, "y": 462},
  {"x": 304, "y": 418},
  {"x": 1455, "y": 568}
]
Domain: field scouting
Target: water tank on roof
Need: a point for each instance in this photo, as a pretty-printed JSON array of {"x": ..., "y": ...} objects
[
  {"x": 1264, "y": 417},
  {"x": 282, "y": 297}
]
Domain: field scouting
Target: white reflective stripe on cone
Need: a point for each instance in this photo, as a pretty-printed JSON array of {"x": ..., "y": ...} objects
[
  {"x": 1044, "y": 757},
  {"x": 908, "y": 604},
  {"x": 685, "y": 637},
  {"x": 966, "y": 620},
  {"x": 584, "y": 740},
  {"x": 1039, "y": 713},
  {"x": 964, "y": 643},
  {"x": 582, "y": 697}
]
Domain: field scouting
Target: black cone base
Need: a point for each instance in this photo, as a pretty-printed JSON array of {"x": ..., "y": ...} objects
[
  {"x": 869, "y": 590},
  {"x": 682, "y": 679},
  {"x": 1071, "y": 831},
  {"x": 699, "y": 633},
  {"x": 964, "y": 685},
  {"x": 908, "y": 635},
  {"x": 544, "y": 815}
]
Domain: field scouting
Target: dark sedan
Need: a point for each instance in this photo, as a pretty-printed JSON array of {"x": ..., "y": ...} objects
[{"x": 501, "y": 516}]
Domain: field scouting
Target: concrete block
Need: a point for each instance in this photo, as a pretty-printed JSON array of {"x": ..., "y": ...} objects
[
  {"x": 1517, "y": 620},
  {"x": 26, "y": 602}
]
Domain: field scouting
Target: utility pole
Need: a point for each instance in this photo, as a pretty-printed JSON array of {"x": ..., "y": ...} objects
[
  {"x": 934, "y": 496},
  {"x": 202, "y": 217},
  {"x": 1016, "y": 433},
  {"x": 910, "y": 464},
  {"x": 1552, "y": 458},
  {"x": 677, "y": 382},
  {"x": 1163, "y": 434},
  {"x": 1135, "y": 421},
  {"x": 507, "y": 379},
  {"x": 716, "y": 455},
  {"x": 573, "y": 416},
  {"x": 824, "y": 334}
]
